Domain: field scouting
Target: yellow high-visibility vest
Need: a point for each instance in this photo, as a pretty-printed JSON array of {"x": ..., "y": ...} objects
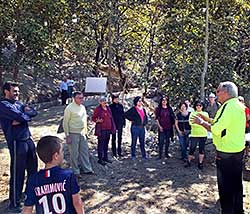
[{"x": 228, "y": 127}]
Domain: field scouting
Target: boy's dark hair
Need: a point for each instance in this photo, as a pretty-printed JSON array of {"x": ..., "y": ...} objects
[
  {"x": 8, "y": 85},
  {"x": 47, "y": 146}
]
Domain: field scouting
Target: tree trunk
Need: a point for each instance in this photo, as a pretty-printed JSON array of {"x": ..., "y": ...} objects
[
  {"x": 150, "y": 53},
  {"x": 18, "y": 58},
  {"x": 203, "y": 74}
]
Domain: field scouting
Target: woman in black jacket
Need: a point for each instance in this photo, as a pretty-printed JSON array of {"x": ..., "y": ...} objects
[
  {"x": 119, "y": 119},
  {"x": 137, "y": 115}
]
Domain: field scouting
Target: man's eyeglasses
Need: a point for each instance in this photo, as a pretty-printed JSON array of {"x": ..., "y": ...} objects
[
  {"x": 80, "y": 98},
  {"x": 198, "y": 105}
]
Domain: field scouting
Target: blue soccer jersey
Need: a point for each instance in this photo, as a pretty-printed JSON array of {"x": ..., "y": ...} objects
[{"x": 51, "y": 190}]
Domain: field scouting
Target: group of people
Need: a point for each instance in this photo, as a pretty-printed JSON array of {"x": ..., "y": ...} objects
[
  {"x": 56, "y": 190},
  {"x": 51, "y": 190}
]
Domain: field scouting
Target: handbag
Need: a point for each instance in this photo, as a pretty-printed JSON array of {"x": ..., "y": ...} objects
[{"x": 60, "y": 127}]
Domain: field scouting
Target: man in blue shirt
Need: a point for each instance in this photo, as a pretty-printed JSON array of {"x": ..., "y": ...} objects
[
  {"x": 14, "y": 118},
  {"x": 53, "y": 189}
]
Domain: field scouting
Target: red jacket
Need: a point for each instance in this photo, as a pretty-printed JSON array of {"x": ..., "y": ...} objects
[{"x": 106, "y": 116}]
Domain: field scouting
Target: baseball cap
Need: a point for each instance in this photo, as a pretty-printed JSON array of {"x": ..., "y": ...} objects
[{"x": 212, "y": 95}]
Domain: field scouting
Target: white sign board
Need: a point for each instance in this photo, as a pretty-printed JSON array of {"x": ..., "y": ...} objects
[{"x": 96, "y": 85}]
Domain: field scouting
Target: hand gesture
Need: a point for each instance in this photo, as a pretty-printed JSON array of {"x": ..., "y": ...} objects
[
  {"x": 203, "y": 117},
  {"x": 197, "y": 120},
  {"x": 181, "y": 133},
  {"x": 99, "y": 120},
  {"x": 161, "y": 129},
  {"x": 68, "y": 140},
  {"x": 15, "y": 123}
]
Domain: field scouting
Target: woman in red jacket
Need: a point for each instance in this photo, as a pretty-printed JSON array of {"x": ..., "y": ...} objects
[{"x": 105, "y": 126}]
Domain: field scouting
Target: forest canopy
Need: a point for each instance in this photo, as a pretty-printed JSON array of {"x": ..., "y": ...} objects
[{"x": 153, "y": 43}]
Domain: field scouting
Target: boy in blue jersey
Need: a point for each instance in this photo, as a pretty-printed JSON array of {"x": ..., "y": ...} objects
[{"x": 53, "y": 189}]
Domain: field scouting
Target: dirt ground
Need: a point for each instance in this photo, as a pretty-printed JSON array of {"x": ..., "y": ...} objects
[{"x": 134, "y": 187}]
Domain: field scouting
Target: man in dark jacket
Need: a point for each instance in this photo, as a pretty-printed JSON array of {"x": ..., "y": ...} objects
[
  {"x": 14, "y": 118},
  {"x": 119, "y": 119}
]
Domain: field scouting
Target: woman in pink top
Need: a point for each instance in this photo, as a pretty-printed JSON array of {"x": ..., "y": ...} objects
[{"x": 138, "y": 117}]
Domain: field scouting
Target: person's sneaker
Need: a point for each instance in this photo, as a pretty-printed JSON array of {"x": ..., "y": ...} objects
[
  {"x": 133, "y": 158},
  {"x": 187, "y": 164},
  {"x": 107, "y": 161},
  {"x": 200, "y": 165},
  {"x": 101, "y": 162},
  {"x": 167, "y": 156}
]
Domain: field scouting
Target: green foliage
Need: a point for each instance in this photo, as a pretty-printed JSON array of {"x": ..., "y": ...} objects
[{"x": 161, "y": 41}]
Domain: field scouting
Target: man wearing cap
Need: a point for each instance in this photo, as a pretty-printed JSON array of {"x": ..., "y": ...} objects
[
  {"x": 119, "y": 119},
  {"x": 212, "y": 106},
  {"x": 228, "y": 130}
]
